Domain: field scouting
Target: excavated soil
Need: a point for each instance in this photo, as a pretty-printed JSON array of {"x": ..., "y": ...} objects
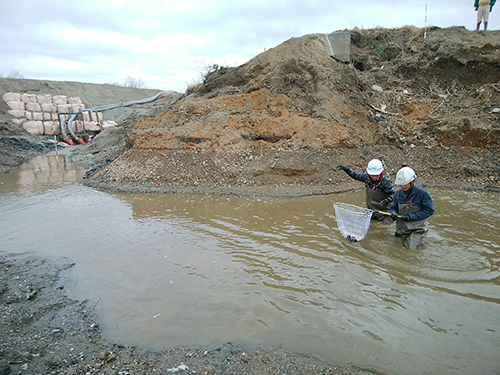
[
  {"x": 278, "y": 124},
  {"x": 275, "y": 126}
]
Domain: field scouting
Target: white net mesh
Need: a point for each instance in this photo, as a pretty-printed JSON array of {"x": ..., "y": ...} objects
[{"x": 353, "y": 221}]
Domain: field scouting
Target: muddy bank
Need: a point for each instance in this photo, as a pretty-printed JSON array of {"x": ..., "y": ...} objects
[
  {"x": 42, "y": 331},
  {"x": 16, "y": 150},
  {"x": 282, "y": 173}
]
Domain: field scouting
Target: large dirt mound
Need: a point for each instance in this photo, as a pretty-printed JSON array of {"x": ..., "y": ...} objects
[
  {"x": 287, "y": 116},
  {"x": 242, "y": 121},
  {"x": 430, "y": 89}
]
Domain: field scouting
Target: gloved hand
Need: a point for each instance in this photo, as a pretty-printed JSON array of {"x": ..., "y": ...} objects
[
  {"x": 394, "y": 217},
  {"x": 405, "y": 217},
  {"x": 384, "y": 202},
  {"x": 341, "y": 167}
]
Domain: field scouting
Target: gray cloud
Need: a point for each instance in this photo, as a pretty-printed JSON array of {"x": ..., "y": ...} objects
[{"x": 168, "y": 43}]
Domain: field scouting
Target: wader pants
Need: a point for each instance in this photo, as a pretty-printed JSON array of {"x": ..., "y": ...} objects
[
  {"x": 412, "y": 232},
  {"x": 373, "y": 198}
]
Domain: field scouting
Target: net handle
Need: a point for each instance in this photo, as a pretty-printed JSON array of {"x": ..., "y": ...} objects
[
  {"x": 384, "y": 213},
  {"x": 373, "y": 211}
]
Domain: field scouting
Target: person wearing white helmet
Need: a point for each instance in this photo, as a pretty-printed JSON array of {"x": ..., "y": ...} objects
[
  {"x": 379, "y": 189},
  {"x": 411, "y": 207}
]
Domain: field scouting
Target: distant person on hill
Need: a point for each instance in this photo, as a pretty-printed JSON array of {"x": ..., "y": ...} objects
[
  {"x": 483, "y": 9},
  {"x": 379, "y": 189},
  {"x": 411, "y": 207}
]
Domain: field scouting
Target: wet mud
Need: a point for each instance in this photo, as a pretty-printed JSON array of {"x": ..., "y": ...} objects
[{"x": 42, "y": 331}]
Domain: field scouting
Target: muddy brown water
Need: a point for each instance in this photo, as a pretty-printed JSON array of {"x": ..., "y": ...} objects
[{"x": 189, "y": 270}]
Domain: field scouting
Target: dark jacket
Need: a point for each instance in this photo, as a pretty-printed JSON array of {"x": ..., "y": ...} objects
[
  {"x": 385, "y": 186},
  {"x": 417, "y": 198}
]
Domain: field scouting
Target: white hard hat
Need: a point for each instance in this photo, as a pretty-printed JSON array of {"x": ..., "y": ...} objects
[
  {"x": 375, "y": 167},
  {"x": 405, "y": 176}
]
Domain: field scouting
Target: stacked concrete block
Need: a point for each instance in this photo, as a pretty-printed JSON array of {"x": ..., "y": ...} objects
[
  {"x": 34, "y": 127},
  {"x": 28, "y": 98},
  {"x": 48, "y": 107},
  {"x": 93, "y": 117},
  {"x": 17, "y": 105},
  {"x": 37, "y": 116},
  {"x": 59, "y": 99},
  {"x": 93, "y": 126},
  {"x": 39, "y": 113},
  {"x": 75, "y": 100},
  {"x": 33, "y": 107},
  {"x": 50, "y": 126},
  {"x": 44, "y": 99},
  {"x": 78, "y": 126},
  {"x": 63, "y": 108},
  {"x": 11, "y": 97}
]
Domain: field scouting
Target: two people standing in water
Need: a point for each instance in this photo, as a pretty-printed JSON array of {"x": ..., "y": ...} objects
[{"x": 409, "y": 206}]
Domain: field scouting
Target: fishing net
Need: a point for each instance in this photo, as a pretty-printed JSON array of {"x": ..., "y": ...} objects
[{"x": 353, "y": 221}]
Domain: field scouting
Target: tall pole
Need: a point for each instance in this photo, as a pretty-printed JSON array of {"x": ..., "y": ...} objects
[{"x": 425, "y": 28}]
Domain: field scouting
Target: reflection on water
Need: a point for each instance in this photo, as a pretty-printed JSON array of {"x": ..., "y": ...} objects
[
  {"x": 170, "y": 270},
  {"x": 42, "y": 172}
]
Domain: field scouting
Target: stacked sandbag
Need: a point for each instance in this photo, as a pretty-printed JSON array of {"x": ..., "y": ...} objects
[
  {"x": 93, "y": 121},
  {"x": 40, "y": 114},
  {"x": 108, "y": 124}
]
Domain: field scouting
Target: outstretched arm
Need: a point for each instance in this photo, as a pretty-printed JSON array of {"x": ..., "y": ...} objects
[{"x": 353, "y": 174}]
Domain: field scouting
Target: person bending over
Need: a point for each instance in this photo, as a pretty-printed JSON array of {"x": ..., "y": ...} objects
[{"x": 379, "y": 189}]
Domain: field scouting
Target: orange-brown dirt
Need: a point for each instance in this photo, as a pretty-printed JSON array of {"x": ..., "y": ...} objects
[{"x": 279, "y": 124}]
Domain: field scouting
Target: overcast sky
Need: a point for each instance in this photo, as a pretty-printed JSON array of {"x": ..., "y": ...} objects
[{"x": 169, "y": 44}]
